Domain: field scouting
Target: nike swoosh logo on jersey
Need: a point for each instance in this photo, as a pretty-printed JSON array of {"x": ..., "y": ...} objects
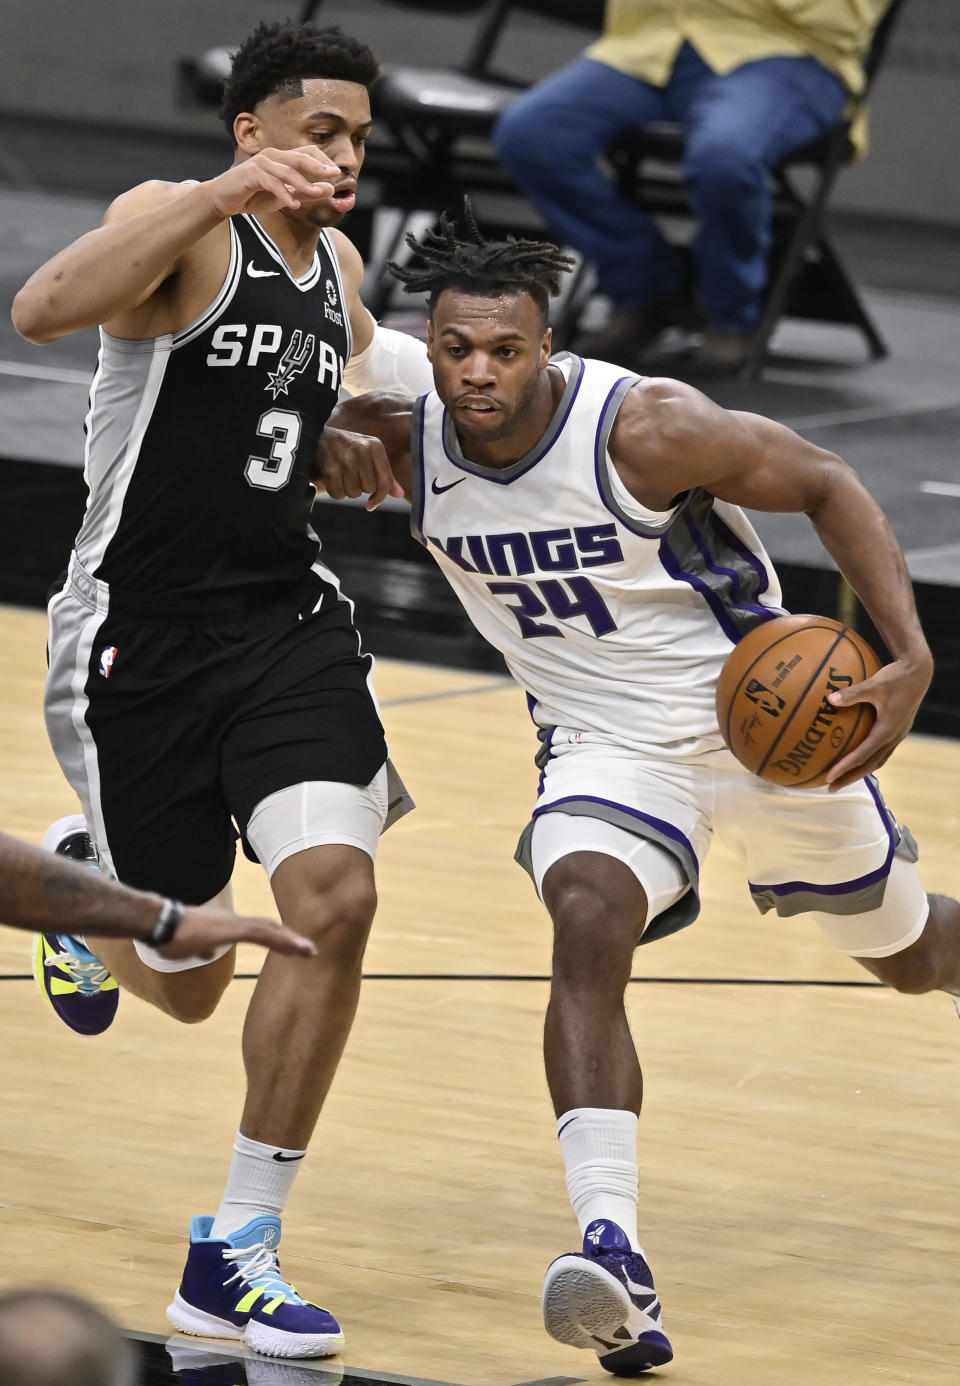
[
  {"x": 439, "y": 490},
  {"x": 255, "y": 273}
]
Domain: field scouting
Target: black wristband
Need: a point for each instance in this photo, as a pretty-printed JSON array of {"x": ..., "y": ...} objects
[{"x": 168, "y": 920}]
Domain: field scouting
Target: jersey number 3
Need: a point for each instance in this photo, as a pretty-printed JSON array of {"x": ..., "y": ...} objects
[{"x": 273, "y": 472}]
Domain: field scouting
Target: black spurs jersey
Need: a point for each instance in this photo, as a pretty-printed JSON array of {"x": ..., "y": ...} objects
[{"x": 199, "y": 443}]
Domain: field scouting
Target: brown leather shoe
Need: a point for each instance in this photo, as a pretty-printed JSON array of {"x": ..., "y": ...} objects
[
  {"x": 630, "y": 332},
  {"x": 720, "y": 352}
]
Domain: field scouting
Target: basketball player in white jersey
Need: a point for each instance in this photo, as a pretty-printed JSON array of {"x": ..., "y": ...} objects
[
  {"x": 589, "y": 522},
  {"x": 204, "y": 666}
]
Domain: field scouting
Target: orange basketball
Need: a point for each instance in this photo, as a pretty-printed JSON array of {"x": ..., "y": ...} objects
[{"x": 772, "y": 698}]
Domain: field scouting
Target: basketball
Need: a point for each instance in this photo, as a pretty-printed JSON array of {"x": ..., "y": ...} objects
[{"x": 772, "y": 698}]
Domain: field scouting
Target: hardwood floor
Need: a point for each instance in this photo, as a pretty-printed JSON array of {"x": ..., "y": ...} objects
[{"x": 800, "y": 1196}]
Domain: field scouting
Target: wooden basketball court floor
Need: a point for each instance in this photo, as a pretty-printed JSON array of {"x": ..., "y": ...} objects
[{"x": 800, "y": 1180}]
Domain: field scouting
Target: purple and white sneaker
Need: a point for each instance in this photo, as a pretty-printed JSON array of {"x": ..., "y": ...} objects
[
  {"x": 604, "y": 1298},
  {"x": 81, "y": 991},
  {"x": 232, "y": 1288}
]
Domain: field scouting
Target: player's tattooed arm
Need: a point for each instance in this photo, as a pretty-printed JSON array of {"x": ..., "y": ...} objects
[
  {"x": 365, "y": 448},
  {"x": 43, "y": 892}
]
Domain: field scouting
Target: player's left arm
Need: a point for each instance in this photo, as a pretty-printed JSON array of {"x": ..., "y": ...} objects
[
  {"x": 382, "y": 358},
  {"x": 669, "y": 438}
]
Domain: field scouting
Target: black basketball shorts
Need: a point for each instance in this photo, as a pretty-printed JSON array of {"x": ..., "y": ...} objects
[{"x": 172, "y": 730}]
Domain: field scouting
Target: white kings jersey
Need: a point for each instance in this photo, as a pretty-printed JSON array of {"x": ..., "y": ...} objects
[{"x": 614, "y": 618}]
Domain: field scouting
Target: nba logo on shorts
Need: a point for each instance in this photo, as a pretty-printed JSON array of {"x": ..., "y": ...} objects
[{"x": 106, "y": 660}]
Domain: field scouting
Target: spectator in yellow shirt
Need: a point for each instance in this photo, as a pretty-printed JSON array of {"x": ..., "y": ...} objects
[{"x": 750, "y": 80}]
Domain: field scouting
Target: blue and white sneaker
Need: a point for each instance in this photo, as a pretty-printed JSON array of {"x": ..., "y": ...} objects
[
  {"x": 80, "y": 989},
  {"x": 604, "y": 1298},
  {"x": 232, "y": 1288}
]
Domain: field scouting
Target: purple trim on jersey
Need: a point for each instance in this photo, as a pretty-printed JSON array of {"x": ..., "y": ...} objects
[
  {"x": 546, "y": 751},
  {"x": 505, "y": 475},
  {"x": 667, "y": 829},
  {"x": 672, "y": 567},
  {"x": 655, "y": 529},
  {"x": 418, "y": 421},
  {"x": 720, "y": 608},
  {"x": 843, "y": 887},
  {"x": 691, "y": 550},
  {"x": 712, "y": 566},
  {"x": 601, "y": 420},
  {"x": 458, "y": 463},
  {"x": 753, "y": 560}
]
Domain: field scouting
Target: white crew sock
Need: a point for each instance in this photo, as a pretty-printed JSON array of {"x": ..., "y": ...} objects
[
  {"x": 599, "y": 1147},
  {"x": 260, "y": 1180}
]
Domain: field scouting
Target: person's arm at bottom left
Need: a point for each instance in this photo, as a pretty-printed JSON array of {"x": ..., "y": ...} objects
[{"x": 46, "y": 893}]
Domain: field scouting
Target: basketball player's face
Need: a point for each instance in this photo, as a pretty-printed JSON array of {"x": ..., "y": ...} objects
[
  {"x": 489, "y": 357},
  {"x": 332, "y": 116}
]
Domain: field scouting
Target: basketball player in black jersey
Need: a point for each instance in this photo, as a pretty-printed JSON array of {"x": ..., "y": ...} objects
[{"x": 204, "y": 667}]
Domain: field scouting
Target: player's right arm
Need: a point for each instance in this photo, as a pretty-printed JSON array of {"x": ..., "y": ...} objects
[
  {"x": 119, "y": 274},
  {"x": 43, "y": 892},
  {"x": 364, "y": 449}
]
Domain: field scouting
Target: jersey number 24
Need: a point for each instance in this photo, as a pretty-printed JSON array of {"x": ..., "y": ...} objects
[{"x": 554, "y": 595}]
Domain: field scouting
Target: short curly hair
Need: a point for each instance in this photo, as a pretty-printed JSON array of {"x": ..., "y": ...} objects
[{"x": 278, "y": 58}]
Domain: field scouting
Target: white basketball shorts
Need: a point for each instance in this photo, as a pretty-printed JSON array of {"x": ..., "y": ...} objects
[{"x": 840, "y": 857}]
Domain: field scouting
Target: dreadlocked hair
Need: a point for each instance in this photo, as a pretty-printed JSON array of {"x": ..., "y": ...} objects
[
  {"x": 278, "y": 58},
  {"x": 481, "y": 267}
]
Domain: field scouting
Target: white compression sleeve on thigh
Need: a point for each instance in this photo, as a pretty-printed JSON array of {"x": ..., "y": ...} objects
[
  {"x": 151, "y": 958},
  {"x": 392, "y": 361}
]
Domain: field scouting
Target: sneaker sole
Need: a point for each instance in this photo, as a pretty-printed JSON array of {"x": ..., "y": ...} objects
[
  {"x": 188, "y": 1319},
  {"x": 64, "y": 827},
  {"x": 653, "y": 1350},
  {"x": 273, "y": 1342},
  {"x": 269, "y": 1342},
  {"x": 582, "y": 1302}
]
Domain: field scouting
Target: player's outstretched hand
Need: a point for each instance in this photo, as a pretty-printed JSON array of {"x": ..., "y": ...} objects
[
  {"x": 896, "y": 692},
  {"x": 204, "y": 929},
  {"x": 353, "y": 464},
  {"x": 273, "y": 179}
]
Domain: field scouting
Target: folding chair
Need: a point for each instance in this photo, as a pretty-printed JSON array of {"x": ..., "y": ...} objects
[
  {"x": 807, "y": 278},
  {"x": 436, "y": 124},
  {"x": 432, "y": 125}
]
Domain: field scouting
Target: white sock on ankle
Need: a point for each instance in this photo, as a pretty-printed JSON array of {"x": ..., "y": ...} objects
[
  {"x": 260, "y": 1180},
  {"x": 599, "y": 1147}
]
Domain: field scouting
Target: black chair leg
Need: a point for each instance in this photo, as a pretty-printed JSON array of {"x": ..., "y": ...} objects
[
  {"x": 848, "y": 299},
  {"x": 577, "y": 295},
  {"x": 797, "y": 245},
  {"x": 377, "y": 297}
]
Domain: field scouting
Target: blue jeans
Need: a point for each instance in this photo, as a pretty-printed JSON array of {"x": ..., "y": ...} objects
[{"x": 738, "y": 126}]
